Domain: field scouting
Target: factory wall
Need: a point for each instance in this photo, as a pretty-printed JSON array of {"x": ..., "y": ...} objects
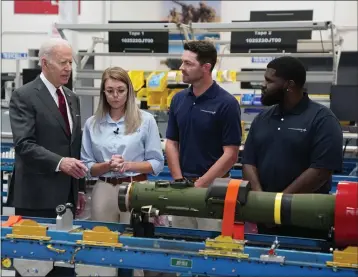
[{"x": 22, "y": 32}]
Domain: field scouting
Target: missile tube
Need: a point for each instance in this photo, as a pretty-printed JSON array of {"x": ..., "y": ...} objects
[{"x": 312, "y": 211}]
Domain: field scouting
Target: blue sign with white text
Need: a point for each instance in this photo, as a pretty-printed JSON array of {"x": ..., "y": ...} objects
[
  {"x": 13, "y": 55},
  {"x": 261, "y": 59}
]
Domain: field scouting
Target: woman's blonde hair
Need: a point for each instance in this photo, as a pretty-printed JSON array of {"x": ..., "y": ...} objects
[{"x": 132, "y": 113}]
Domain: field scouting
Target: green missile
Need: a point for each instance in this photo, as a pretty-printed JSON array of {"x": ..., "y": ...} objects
[{"x": 313, "y": 211}]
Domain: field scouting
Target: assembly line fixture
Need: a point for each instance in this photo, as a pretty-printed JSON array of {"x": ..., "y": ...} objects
[{"x": 35, "y": 245}]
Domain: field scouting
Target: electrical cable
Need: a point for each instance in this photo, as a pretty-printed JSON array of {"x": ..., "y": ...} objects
[
  {"x": 345, "y": 146},
  {"x": 320, "y": 33}
]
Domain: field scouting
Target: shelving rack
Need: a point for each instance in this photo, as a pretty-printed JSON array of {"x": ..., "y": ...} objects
[{"x": 201, "y": 28}]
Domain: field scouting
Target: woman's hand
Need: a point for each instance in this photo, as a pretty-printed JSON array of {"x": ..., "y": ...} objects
[{"x": 116, "y": 163}]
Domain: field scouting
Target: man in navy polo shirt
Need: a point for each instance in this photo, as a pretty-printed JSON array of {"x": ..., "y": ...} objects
[
  {"x": 204, "y": 126},
  {"x": 293, "y": 146}
]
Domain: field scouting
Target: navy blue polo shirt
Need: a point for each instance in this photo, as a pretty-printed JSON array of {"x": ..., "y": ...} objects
[
  {"x": 283, "y": 145},
  {"x": 202, "y": 126}
]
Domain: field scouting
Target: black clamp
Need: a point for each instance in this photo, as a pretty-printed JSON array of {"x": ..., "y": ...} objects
[
  {"x": 141, "y": 225},
  {"x": 245, "y": 187},
  {"x": 182, "y": 183},
  {"x": 61, "y": 209}
]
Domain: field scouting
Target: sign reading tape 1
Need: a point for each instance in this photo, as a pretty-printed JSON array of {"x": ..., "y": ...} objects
[{"x": 138, "y": 41}]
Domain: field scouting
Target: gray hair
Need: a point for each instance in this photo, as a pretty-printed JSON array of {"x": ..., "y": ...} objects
[{"x": 47, "y": 47}]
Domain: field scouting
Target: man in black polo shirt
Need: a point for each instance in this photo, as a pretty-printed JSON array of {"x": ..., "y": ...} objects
[
  {"x": 204, "y": 126},
  {"x": 293, "y": 146}
]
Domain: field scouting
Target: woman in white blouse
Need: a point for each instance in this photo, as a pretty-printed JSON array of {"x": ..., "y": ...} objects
[{"x": 120, "y": 143}]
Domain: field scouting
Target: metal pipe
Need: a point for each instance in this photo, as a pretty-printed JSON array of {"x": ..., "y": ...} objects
[
  {"x": 18, "y": 76},
  {"x": 6, "y": 135},
  {"x": 200, "y": 27},
  {"x": 85, "y": 58},
  {"x": 244, "y": 76},
  {"x": 346, "y": 28},
  {"x": 334, "y": 63},
  {"x": 178, "y": 55},
  {"x": 177, "y": 42},
  {"x": 106, "y": 15},
  {"x": 21, "y": 33}
]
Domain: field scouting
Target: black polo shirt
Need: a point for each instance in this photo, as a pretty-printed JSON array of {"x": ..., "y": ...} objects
[
  {"x": 283, "y": 145},
  {"x": 202, "y": 126}
]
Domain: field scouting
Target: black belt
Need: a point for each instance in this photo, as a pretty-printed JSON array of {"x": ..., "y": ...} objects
[{"x": 117, "y": 181}]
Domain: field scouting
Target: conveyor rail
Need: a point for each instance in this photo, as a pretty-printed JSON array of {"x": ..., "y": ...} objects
[{"x": 166, "y": 255}]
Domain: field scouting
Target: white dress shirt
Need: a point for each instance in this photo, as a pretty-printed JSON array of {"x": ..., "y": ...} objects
[
  {"x": 52, "y": 89},
  {"x": 108, "y": 137}
]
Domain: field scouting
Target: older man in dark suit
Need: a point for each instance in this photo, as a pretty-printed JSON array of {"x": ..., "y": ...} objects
[{"x": 46, "y": 127}]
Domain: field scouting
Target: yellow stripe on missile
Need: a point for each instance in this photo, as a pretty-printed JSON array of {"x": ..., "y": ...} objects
[{"x": 277, "y": 208}]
